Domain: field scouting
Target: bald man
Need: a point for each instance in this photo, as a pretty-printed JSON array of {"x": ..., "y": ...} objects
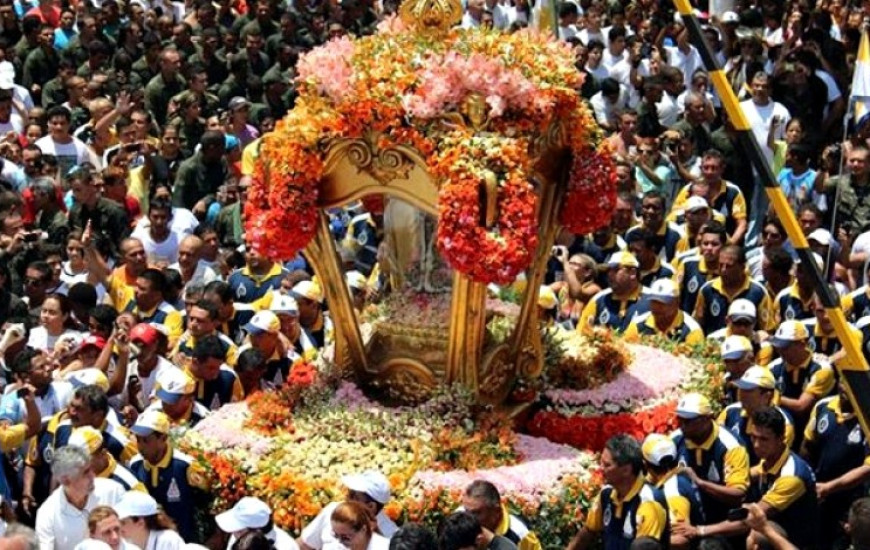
[{"x": 189, "y": 264}]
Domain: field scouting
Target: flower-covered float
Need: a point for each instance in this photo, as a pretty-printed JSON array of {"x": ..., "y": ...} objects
[
  {"x": 291, "y": 447},
  {"x": 479, "y": 148}
]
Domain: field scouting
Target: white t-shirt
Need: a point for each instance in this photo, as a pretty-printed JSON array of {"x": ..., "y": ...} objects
[
  {"x": 61, "y": 526},
  {"x": 759, "y": 117},
  {"x": 68, "y": 154},
  {"x": 318, "y": 534},
  {"x": 164, "y": 540},
  {"x": 15, "y": 124},
  {"x": 183, "y": 222},
  {"x": 40, "y": 338},
  {"x": 159, "y": 253}
]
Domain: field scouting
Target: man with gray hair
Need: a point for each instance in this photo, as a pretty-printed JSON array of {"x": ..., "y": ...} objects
[
  {"x": 62, "y": 520},
  {"x": 483, "y": 501},
  {"x": 50, "y": 219},
  {"x": 19, "y": 537}
]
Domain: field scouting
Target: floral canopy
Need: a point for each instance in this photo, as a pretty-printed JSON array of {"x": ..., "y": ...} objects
[{"x": 473, "y": 103}]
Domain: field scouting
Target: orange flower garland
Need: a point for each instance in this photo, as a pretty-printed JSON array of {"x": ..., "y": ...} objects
[
  {"x": 399, "y": 85},
  {"x": 496, "y": 254}
]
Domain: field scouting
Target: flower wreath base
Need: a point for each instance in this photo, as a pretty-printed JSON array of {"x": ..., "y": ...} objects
[{"x": 494, "y": 254}]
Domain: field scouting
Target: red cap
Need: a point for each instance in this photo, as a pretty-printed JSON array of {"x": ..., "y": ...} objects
[
  {"x": 93, "y": 340},
  {"x": 145, "y": 333}
]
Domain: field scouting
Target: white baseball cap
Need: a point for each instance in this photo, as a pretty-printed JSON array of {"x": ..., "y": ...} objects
[
  {"x": 283, "y": 304},
  {"x": 657, "y": 447},
  {"x": 173, "y": 384},
  {"x": 756, "y": 377},
  {"x": 371, "y": 482},
  {"x": 355, "y": 280},
  {"x": 664, "y": 290},
  {"x": 734, "y": 347},
  {"x": 309, "y": 290},
  {"x": 248, "y": 513},
  {"x": 742, "y": 308},
  {"x": 788, "y": 332},
  {"x": 730, "y": 17},
  {"x": 821, "y": 236},
  {"x": 88, "y": 377},
  {"x": 136, "y": 504},
  {"x": 263, "y": 321},
  {"x": 693, "y": 405},
  {"x": 697, "y": 203}
]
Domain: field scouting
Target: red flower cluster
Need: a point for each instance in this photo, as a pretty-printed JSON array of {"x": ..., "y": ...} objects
[
  {"x": 494, "y": 254},
  {"x": 302, "y": 374},
  {"x": 592, "y": 432},
  {"x": 281, "y": 211},
  {"x": 591, "y": 195}
]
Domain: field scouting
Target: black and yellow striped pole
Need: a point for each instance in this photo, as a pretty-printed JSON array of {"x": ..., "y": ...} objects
[{"x": 853, "y": 369}]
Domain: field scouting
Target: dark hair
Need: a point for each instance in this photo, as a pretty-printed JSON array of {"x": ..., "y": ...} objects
[
  {"x": 567, "y": 9},
  {"x": 616, "y": 33},
  {"x": 625, "y": 449},
  {"x": 58, "y": 110},
  {"x": 859, "y": 524},
  {"x": 609, "y": 86},
  {"x": 94, "y": 397},
  {"x": 810, "y": 207},
  {"x": 645, "y": 543},
  {"x": 161, "y": 203},
  {"x": 715, "y": 227},
  {"x": 253, "y": 540},
  {"x": 738, "y": 251},
  {"x": 21, "y": 364},
  {"x": 209, "y": 347},
  {"x": 655, "y": 194},
  {"x": 595, "y": 44},
  {"x": 769, "y": 418},
  {"x": 83, "y": 294},
  {"x": 780, "y": 260},
  {"x": 220, "y": 289},
  {"x": 458, "y": 530},
  {"x": 105, "y": 316},
  {"x": 209, "y": 307},
  {"x": 413, "y": 536},
  {"x": 43, "y": 268},
  {"x": 484, "y": 490},
  {"x": 156, "y": 278},
  {"x": 250, "y": 359},
  {"x": 648, "y": 238}
]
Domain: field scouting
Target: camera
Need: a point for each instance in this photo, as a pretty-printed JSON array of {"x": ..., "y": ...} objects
[
  {"x": 738, "y": 514},
  {"x": 31, "y": 237},
  {"x": 23, "y": 392}
]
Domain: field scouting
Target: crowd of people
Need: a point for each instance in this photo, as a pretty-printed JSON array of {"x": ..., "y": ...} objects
[{"x": 130, "y": 304}]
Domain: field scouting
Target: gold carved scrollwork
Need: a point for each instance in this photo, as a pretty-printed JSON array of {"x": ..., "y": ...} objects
[
  {"x": 404, "y": 380},
  {"x": 497, "y": 375},
  {"x": 431, "y": 16},
  {"x": 383, "y": 164}
]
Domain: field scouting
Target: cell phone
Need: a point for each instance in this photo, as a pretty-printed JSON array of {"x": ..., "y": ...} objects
[
  {"x": 23, "y": 392},
  {"x": 31, "y": 237},
  {"x": 133, "y": 147},
  {"x": 738, "y": 514}
]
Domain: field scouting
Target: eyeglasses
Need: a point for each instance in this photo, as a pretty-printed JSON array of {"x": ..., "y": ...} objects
[
  {"x": 346, "y": 538},
  {"x": 33, "y": 282}
]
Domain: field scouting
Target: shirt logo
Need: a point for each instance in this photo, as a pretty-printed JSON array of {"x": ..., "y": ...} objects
[
  {"x": 627, "y": 529},
  {"x": 823, "y": 425},
  {"x": 789, "y": 313},
  {"x": 604, "y": 317},
  {"x": 714, "y": 308},
  {"x": 173, "y": 494},
  {"x": 608, "y": 515},
  {"x": 241, "y": 291},
  {"x": 855, "y": 435},
  {"x": 713, "y": 474},
  {"x": 215, "y": 403},
  {"x": 693, "y": 284}
]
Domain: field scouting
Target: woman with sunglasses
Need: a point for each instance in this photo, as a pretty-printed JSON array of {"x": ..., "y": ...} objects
[{"x": 353, "y": 527}]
